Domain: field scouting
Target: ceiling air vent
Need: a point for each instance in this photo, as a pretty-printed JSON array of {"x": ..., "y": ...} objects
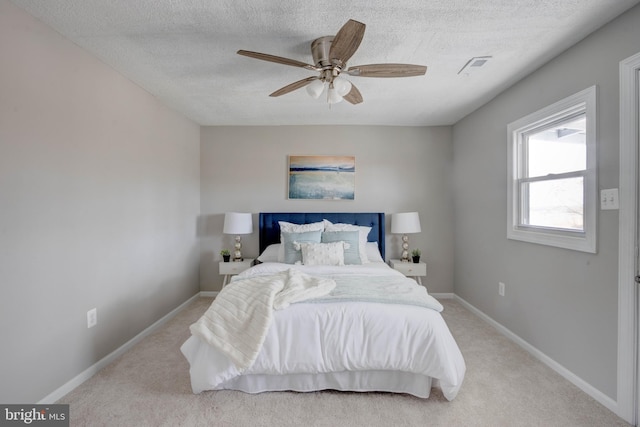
[{"x": 473, "y": 64}]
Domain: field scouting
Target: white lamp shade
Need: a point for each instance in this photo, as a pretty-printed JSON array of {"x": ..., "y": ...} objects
[
  {"x": 405, "y": 223},
  {"x": 315, "y": 88},
  {"x": 342, "y": 86},
  {"x": 237, "y": 223},
  {"x": 333, "y": 96}
]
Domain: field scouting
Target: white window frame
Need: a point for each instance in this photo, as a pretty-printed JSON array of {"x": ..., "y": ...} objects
[{"x": 581, "y": 102}]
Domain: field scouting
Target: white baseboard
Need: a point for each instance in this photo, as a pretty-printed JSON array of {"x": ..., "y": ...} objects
[
  {"x": 443, "y": 295},
  {"x": 605, "y": 400},
  {"x": 209, "y": 294},
  {"x": 95, "y": 368}
]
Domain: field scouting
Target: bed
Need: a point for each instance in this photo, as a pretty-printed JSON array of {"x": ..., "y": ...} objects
[{"x": 311, "y": 317}]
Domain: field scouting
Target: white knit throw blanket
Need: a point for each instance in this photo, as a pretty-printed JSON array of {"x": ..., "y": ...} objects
[{"x": 240, "y": 316}]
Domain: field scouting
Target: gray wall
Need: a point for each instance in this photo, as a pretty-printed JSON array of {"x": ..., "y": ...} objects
[
  {"x": 562, "y": 302},
  {"x": 99, "y": 199},
  {"x": 398, "y": 169}
]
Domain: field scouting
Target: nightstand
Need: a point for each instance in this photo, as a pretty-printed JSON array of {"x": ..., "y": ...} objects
[
  {"x": 410, "y": 269},
  {"x": 234, "y": 267}
]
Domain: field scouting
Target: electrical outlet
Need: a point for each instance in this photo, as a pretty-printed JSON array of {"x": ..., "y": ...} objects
[
  {"x": 92, "y": 318},
  {"x": 501, "y": 289}
]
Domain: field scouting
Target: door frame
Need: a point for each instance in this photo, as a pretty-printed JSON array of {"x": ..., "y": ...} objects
[{"x": 627, "y": 397}]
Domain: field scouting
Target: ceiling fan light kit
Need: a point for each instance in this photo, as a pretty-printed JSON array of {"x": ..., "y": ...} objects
[
  {"x": 335, "y": 89},
  {"x": 330, "y": 55}
]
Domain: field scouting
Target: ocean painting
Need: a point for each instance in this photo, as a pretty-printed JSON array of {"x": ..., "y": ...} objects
[{"x": 322, "y": 177}]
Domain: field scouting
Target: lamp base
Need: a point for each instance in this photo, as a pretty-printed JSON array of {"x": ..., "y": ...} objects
[
  {"x": 237, "y": 254},
  {"x": 405, "y": 249}
]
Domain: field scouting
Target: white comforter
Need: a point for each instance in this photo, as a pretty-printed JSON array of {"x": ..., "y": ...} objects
[{"x": 338, "y": 336}]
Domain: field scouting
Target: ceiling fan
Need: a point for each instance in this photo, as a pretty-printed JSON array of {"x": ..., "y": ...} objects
[{"x": 330, "y": 55}]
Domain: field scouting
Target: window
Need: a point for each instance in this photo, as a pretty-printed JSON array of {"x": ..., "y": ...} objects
[{"x": 552, "y": 175}]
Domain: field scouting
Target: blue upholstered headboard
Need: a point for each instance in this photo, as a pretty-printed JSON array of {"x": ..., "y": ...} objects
[{"x": 270, "y": 229}]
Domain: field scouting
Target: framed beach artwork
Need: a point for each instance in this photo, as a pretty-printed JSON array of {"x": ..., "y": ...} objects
[{"x": 322, "y": 177}]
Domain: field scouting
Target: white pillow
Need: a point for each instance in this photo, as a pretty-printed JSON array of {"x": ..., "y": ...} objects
[
  {"x": 323, "y": 253},
  {"x": 270, "y": 254},
  {"x": 373, "y": 252},
  {"x": 364, "y": 234},
  {"x": 289, "y": 227}
]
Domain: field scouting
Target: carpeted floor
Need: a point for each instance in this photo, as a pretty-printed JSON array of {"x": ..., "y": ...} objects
[{"x": 504, "y": 386}]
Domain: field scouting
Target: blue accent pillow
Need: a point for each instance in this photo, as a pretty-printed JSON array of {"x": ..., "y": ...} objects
[
  {"x": 291, "y": 255},
  {"x": 351, "y": 254}
]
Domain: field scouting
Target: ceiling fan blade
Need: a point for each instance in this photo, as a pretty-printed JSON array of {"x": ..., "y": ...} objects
[
  {"x": 293, "y": 86},
  {"x": 354, "y": 96},
  {"x": 277, "y": 59},
  {"x": 387, "y": 70},
  {"x": 346, "y": 42}
]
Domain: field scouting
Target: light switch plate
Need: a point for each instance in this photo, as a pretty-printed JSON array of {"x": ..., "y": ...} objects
[
  {"x": 609, "y": 199},
  {"x": 92, "y": 318}
]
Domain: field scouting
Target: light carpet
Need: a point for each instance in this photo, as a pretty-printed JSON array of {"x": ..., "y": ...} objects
[{"x": 504, "y": 386}]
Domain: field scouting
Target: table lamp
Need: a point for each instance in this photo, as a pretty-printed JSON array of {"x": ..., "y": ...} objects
[
  {"x": 237, "y": 223},
  {"x": 405, "y": 223}
]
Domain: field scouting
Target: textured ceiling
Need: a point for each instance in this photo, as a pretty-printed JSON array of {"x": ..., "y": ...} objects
[{"x": 184, "y": 51}]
